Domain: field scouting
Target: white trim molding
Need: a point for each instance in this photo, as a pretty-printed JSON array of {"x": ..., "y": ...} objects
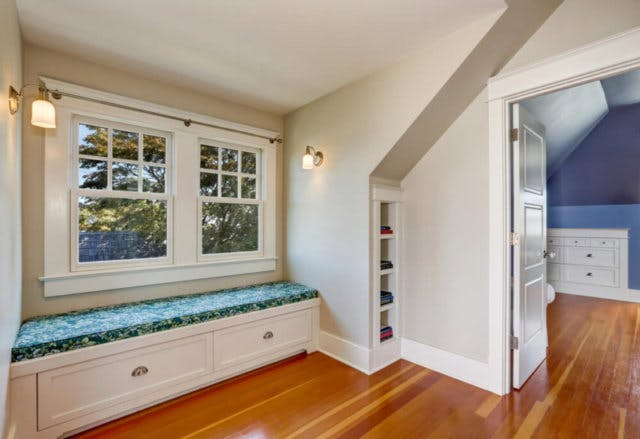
[
  {"x": 182, "y": 262},
  {"x": 461, "y": 368},
  {"x": 611, "y": 56},
  {"x": 345, "y": 351}
]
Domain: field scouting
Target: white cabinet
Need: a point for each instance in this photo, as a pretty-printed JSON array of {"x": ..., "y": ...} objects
[
  {"x": 56, "y": 395},
  {"x": 589, "y": 262}
]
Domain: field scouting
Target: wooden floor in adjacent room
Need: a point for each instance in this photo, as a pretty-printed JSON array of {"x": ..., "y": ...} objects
[{"x": 589, "y": 387}]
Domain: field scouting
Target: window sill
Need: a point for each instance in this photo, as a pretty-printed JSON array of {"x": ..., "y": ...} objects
[{"x": 101, "y": 280}]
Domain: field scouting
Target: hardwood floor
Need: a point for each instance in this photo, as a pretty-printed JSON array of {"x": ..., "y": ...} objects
[{"x": 589, "y": 387}]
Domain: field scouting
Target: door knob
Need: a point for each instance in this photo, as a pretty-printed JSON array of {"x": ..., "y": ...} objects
[{"x": 550, "y": 255}]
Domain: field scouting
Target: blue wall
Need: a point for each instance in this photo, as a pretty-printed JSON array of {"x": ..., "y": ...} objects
[
  {"x": 615, "y": 216},
  {"x": 605, "y": 167},
  {"x": 598, "y": 185}
]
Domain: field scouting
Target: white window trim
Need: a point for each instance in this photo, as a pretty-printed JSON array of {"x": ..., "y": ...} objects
[{"x": 184, "y": 262}]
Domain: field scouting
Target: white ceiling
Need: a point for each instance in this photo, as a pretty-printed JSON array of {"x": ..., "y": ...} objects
[
  {"x": 569, "y": 115},
  {"x": 274, "y": 55}
]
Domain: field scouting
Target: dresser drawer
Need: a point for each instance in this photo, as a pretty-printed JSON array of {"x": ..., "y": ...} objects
[
  {"x": 554, "y": 240},
  {"x": 599, "y": 257},
  {"x": 595, "y": 276},
  {"x": 604, "y": 242},
  {"x": 576, "y": 242},
  {"x": 246, "y": 343},
  {"x": 72, "y": 391}
]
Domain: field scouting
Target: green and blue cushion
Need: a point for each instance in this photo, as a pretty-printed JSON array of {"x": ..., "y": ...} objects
[{"x": 41, "y": 336}]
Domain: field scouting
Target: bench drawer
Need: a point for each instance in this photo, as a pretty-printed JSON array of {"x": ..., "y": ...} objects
[
  {"x": 245, "y": 343},
  {"x": 72, "y": 391}
]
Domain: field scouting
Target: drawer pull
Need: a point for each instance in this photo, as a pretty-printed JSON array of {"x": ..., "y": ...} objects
[
  {"x": 267, "y": 335},
  {"x": 139, "y": 371},
  {"x": 589, "y": 274},
  {"x": 589, "y": 255}
]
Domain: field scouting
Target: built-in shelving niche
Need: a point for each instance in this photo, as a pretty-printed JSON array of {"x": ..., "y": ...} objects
[{"x": 385, "y": 209}]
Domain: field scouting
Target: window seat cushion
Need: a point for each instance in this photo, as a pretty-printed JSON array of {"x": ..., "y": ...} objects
[{"x": 52, "y": 334}]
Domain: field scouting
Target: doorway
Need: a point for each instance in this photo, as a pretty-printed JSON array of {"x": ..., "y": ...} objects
[
  {"x": 615, "y": 55},
  {"x": 575, "y": 205}
]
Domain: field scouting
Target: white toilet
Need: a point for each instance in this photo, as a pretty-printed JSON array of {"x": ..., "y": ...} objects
[{"x": 551, "y": 293}]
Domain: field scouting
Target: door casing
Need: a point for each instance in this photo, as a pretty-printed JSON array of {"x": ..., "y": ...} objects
[{"x": 608, "y": 57}]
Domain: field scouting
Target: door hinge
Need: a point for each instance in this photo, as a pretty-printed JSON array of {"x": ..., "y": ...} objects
[
  {"x": 513, "y": 342},
  {"x": 513, "y": 134},
  {"x": 514, "y": 238}
]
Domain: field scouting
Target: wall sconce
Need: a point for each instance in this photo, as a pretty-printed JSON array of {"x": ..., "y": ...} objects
[
  {"x": 43, "y": 113},
  {"x": 311, "y": 158}
]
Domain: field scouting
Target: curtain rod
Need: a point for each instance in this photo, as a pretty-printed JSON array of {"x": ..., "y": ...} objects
[{"x": 57, "y": 94}]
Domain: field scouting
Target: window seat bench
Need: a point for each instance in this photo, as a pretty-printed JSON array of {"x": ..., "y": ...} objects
[{"x": 75, "y": 370}]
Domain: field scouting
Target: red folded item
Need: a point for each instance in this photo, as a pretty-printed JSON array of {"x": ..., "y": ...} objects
[{"x": 386, "y": 232}]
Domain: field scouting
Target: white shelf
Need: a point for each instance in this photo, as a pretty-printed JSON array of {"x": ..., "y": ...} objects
[
  {"x": 387, "y": 271},
  {"x": 387, "y": 307},
  {"x": 387, "y": 236}
]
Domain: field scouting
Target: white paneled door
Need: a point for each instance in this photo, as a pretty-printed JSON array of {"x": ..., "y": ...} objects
[{"x": 529, "y": 249}]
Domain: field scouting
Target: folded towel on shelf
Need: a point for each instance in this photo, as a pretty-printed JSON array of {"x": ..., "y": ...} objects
[
  {"x": 386, "y": 333},
  {"x": 385, "y": 265},
  {"x": 386, "y": 297},
  {"x": 386, "y": 232},
  {"x": 385, "y": 227}
]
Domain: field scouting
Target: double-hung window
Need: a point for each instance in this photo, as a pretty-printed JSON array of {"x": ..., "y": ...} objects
[
  {"x": 137, "y": 198},
  {"x": 121, "y": 197},
  {"x": 230, "y": 204}
]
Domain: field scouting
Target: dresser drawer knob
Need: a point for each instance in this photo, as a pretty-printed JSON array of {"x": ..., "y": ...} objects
[
  {"x": 139, "y": 371},
  {"x": 267, "y": 335},
  {"x": 589, "y": 274},
  {"x": 589, "y": 255}
]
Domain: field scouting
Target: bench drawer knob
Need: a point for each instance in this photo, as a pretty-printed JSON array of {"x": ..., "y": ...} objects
[
  {"x": 267, "y": 335},
  {"x": 139, "y": 371}
]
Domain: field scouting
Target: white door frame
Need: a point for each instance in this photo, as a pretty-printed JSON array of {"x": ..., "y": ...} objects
[{"x": 611, "y": 56}]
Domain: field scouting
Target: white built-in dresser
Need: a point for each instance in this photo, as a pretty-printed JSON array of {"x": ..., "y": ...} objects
[{"x": 590, "y": 262}]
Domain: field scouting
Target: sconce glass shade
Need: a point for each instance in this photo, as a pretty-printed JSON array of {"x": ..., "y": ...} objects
[
  {"x": 307, "y": 161},
  {"x": 43, "y": 114}
]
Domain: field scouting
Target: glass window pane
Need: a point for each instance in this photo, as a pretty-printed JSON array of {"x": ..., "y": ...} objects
[
  {"x": 228, "y": 228},
  {"x": 124, "y": 144},
  {"x": 153, "y": 179},
  {"x": 229, "y": 159},
  {"x": 248, "y": 187},
  {"x": 208, "y": 157},
  {"x": 229, "y": 186},
  {"x": 125, "y": 177},
  {"x": 248, "y": 162},
  {"x": 208, "y": 184},
  {"x": 93, "y": 140},
  {"x": 118, "y": 228},
  {"x": 153, "y": 148},
  {"x": 92, "y": 174}
]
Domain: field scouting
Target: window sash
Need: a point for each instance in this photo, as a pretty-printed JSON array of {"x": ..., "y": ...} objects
[
  {"x": 76, "y": 192},
  {"x": 207, "y": 257}
]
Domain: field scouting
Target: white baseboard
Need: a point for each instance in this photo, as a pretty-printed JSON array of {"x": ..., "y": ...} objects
[
  {"x": 624, "y": 295},
  {"x": 462, "y": 368},
  {"x": 345, "y": 351}
]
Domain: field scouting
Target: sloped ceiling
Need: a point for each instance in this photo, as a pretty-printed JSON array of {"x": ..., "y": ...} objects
[
  {"x": 569, "y": 115},
  {"x": 275, "y": 55}
]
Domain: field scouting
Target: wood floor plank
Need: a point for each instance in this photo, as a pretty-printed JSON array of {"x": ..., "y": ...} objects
[{"x": 588, "y": 387}]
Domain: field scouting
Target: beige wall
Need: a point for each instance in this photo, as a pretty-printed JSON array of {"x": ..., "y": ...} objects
[
  {"x": 39, "y": 61},
  {"x": 446, "y": 223},
  {"x": 10, "y": 142},
  {"x": 446, "y": 297},
  {"x": 327, "y": 244}
]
